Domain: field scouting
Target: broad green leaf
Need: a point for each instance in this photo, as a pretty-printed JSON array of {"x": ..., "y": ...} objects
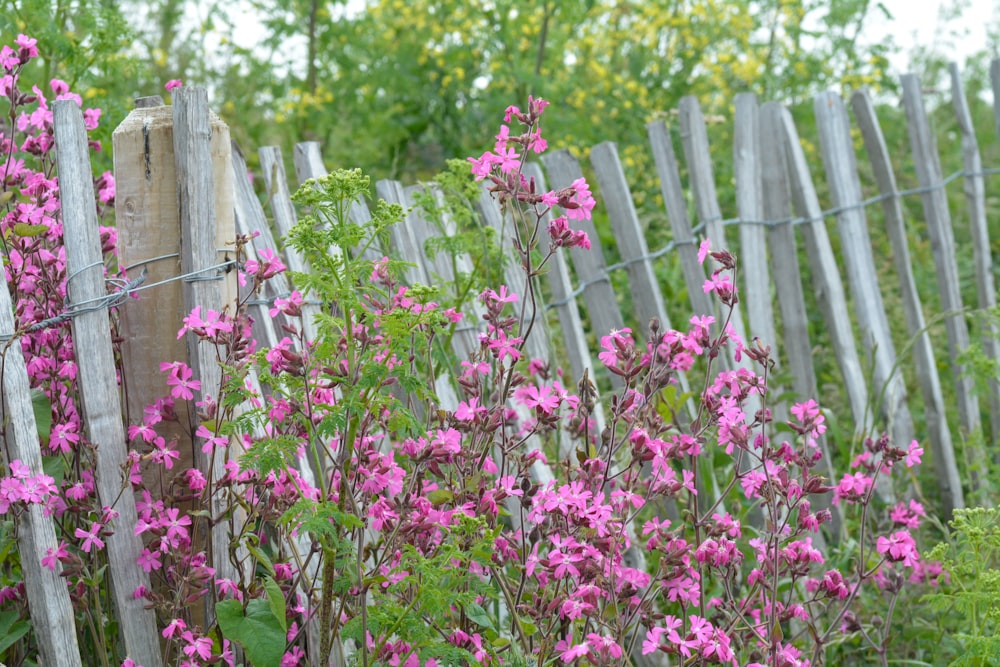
[
  {"x": 258, "y": 631},
  {"x": 277, "y": 600},
  {"x": 11, "y": 629}
]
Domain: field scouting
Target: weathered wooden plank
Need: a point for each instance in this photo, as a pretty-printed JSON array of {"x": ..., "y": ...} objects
[
  {"x": 694, "y": 138},
  {"x": 285, "y": 218},
  {"x": 51, "y": 610},
  {"x": 647, "y": 301},
  {"x": 975, "y": 196},
  {"x": 825, "y": 275},
  {"x": 100, "y": 404},
  {"x": 753, "y": 267},
  {"x": 250, "y": 220},
  {"x": 945, "y": 466},
  {"x": 591, "y": 270},
  {"x": 561, "y": 288},
  {"x": 196, "y": 195},
  {"x": 677, "y": 214},
  {"x": 466, "y": 339},
  {"x": 308, "y": 160},
  {"x": 776, "y": 205},
  {"x": 935, "y": 203},
  {"x": 149, "y": 241},
  {"x": 404, "y": 241},
  {"x": 837, "y": 152}
]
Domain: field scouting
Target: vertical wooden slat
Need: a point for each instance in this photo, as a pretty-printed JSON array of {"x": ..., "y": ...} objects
[
  {"x": 776, "y": 205},
  {"x": 694, "y": 137},
  {"x": 51, "y": 610},
  {"x": 647, "y": 301},
  {"x": 404, "y": 241},
  {"x": 308, "y": 161},
  {"x": 975, "y": 196},
  {"x": 825, "y": 275},
  {"x": 945, "y": 467},
  {"x": 837, "y": 151},
  {"x": 754, "y": 273},
  {"x": 196, "y": 190},
  {"x": 561, "y": 287},
  {"x": 285, "y": 218},
  {"x": 591, "y": 270},
  {"x": 935, "y": 202},
  {"x": 100, "y": 404},
  {"x": 677, "y": 213}
]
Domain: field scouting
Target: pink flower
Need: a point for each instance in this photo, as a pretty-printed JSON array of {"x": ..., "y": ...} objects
[
  {"x": 172, "y": 84},
  {"x": 703, "y": 250},
  {"x": 913, "y": 454},
  {"x": 53, "y": 556},
  {"x": 899, "y": 547},
  {"x": 90, "y": 538}
]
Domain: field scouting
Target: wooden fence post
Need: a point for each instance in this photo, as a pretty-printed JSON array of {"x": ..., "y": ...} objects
[
  {"x": 205, "y": 202},
  {"x": 51, "y": 610},
  {"x": 945, "y": 467},
  {"x": 845, "y": 189},
  {"x": 750, "y": 195},
  {"x": 928, "y": 168},
  {"x": 100, "y": 405},
  {"x": 825, "y": 274},
  {"x": 149, "y": 241},
  {"x": 975, "y": 196},
  {"x": 697, "y": 152}
]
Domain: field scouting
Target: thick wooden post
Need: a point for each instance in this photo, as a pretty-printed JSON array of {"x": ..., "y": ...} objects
[
  {"x": 102, "y": 411},
  {"x": 149, "y": 242}
]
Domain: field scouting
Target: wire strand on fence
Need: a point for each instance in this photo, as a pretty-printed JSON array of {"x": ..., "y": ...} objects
[{"x": 793, "y": 221}]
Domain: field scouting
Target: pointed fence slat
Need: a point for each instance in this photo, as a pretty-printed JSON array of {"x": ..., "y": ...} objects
[
  {"x": 100, "y": 403},
  {"x": 48, "y": 597},
  {"x": 694, "y": 137},
  {"x": 196, "y": 190},
  {"x": 591, "y": 269},
  {"x": 935, "y": 201},
  {"x": 837, "y": 151},
  {"x": 975, "y": 196},
  {"x": 826, "y": 280},
  {"x": 677, "y": 214},
  {"x": 647, "y": 301},
  {"x": 777, "y": 205},
  {"x": 753, "y": 266},
  {"x": 945, "y": 467}
]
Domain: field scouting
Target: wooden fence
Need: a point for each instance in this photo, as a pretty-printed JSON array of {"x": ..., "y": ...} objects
[{"x": 182, "y": 191}]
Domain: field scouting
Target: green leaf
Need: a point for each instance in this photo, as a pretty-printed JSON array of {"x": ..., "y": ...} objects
[
  {"x": 258, "y": 631},
  {"x": 277, "y": 601},
  {"x": 478, "y": 614},
  {"x": 262, "y": 557},
  {"x": 11, "y": 629},
  {"x": 440, "y": 496},
  {"x": 24, "y": 229}
]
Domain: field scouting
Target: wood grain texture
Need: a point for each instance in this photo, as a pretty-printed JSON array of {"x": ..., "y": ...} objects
[
  {"x": 837, "y": 150},
  {"x": 196, "y": 196},
  {"x": 945, "y": 466},
  {"x": 938, "y": 218},
  {"x": 100, "y": 404}
]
